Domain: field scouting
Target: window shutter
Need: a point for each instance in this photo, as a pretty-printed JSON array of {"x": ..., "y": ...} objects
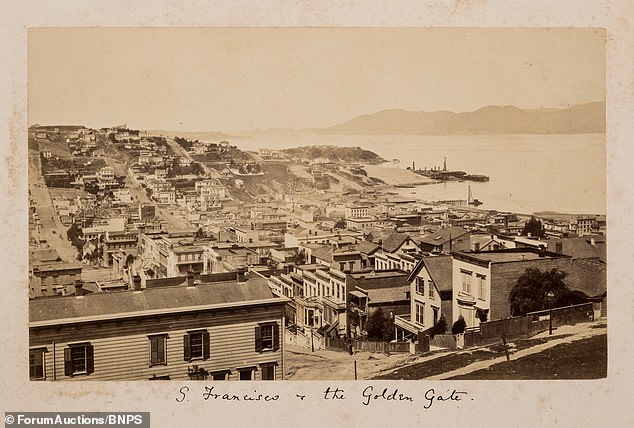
[
  {"x": 186, "y": 348},
  {"x": 68, "y": 365},
  {"x": 90, "y": 357},
  {"x": 153, "y": 351},
  {"x": 205, "y": 345},
  {"x": 276, "y": 337},
  {"x": 161, "y": 349},
  {"x": 258, "y": 339}
]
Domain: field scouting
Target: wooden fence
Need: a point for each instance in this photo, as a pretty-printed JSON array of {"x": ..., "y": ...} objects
[
  {"x": 367, "y": 345},
  {"x": 536, "y": 322}
]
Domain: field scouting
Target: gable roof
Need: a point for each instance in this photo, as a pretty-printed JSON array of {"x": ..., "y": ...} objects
[
  {"x": 150, "y": 301},
  {"x": 442, "y": 236},
  {"x": 439, "y": 268},
  {"x": 366, "y": 247},
  {"x": 394, "y": 241}
]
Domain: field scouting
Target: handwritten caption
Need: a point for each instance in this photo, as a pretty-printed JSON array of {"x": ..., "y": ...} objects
[{"x": 366, "y": 397}]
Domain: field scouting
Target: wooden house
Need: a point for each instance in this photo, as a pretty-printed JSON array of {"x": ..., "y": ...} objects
[{"x": 226, "y": 330}]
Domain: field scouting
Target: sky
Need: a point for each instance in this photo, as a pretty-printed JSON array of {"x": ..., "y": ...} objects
[{"x": 239, "y": 79}]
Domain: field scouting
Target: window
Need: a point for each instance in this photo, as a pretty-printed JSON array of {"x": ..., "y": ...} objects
[
  {"x": 36, "y": 363},
  {"x": 196, "y": 345},
  {"x": 481, "y": 281},
  {"x": 268, "y": 371},
  {"x": 267, "y": 336},
  {"x": 342, "y": 266},
  {"x": 158, "y": 349},
  {"x": 247, "y": 373},
  {"x": 420, "y": 285},
  {"x": 420, "y": 313},
  {"x": 435, "y": 315},
  {"x": 351, "y": 265},
  {"x": 78, "y": 359},
  {"x": 220, "y": 375},
  {"x": 466, "y": 281},
  {"x": 431, "y": 289}
]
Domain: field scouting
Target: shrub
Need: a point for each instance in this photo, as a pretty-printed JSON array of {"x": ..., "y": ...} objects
[
  {"x": 459, "y": 326},
  {"x": 439, "y": 328}
]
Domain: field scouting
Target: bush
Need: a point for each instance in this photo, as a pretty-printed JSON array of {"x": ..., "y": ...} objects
[
  {"x": 439, "y": 328},
  {"x": 459, "y": 326}
]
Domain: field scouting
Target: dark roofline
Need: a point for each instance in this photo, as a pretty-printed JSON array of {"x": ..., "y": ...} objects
[
  {"x": 419, "y": 266},
  {"x": 153, "y": 312},
  {"x": 472, "y": 256}
]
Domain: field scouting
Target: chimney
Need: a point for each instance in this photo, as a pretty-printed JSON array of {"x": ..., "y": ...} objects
[
  {"x": 559, "y": 247},
  {"x": 190, "y": 279},
  {"x": 136, "y": 283},
  {"x": 241, "y": 274},
  {"x": 79, "y": 288}
]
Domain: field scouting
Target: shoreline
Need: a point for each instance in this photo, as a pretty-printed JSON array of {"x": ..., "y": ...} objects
[{"x": 397, "y": 177}]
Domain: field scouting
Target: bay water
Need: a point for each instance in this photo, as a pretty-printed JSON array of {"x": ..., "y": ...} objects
[{"x": 527, "y": 173}]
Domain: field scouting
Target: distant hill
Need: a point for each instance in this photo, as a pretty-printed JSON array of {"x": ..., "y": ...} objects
[
  {"x": 335, "y": 154},
  {"x": 583, "y": 119}
]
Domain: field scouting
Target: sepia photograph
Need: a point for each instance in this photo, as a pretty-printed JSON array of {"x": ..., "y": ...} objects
[
  {"x": 330, "y": 204},
  {"x": 300, "y": 213}
]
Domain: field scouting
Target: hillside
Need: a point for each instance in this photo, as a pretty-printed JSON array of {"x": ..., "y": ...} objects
[
  {"x": 582, "y": 119},
  {"x": 335, "y": 154}
]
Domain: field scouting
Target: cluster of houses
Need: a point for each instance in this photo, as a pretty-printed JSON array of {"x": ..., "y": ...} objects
[{"x": 219, "y": 299}]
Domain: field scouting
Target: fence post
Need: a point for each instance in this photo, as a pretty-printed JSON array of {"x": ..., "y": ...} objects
[{"x": 506, "y": 350}]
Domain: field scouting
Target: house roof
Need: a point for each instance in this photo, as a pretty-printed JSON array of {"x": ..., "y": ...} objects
[
  {"x": 380, "y": 296},
  {"x": 150, "y": 301},
  {"x": 323, "y": 252},
  {"x": 506, "y": 255},
  {"x": 56, "y": 266},
  {"x": 393, "y": 241},
  {"x": 442, "y": 236},
  {"x": 440, "y": 269},
  {"x": 586, "y": 276},
  {"x": 43, "y": 255},
  {"x": 581, "y": 247},
  {"x": 366, "y": 247}
]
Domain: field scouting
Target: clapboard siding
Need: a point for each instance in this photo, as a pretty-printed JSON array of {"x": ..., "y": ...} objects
[{"x": 122, "y": 348}]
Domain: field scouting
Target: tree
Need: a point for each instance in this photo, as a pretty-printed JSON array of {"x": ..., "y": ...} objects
[
  {"x": 197, "y": 168},
  {"x": 379, "y": 326},
  {"x": 300, "y": 258},
  {"x": 534, "y": 228},
  {"x": 531, "y": 290},
  {"x": 340, "y": 224},
  {"x": 439, "y": 328},
  {"x": 74, "y": 235},
  {"x": 459, "y": 326}
]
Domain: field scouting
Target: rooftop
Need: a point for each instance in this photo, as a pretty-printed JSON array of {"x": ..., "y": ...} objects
[
  {"x": 149, "y": 301},
  {"x": 508, "y": 255}
]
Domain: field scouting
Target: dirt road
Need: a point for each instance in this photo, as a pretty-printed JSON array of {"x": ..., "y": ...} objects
[{"x": 301, "y": 364}]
